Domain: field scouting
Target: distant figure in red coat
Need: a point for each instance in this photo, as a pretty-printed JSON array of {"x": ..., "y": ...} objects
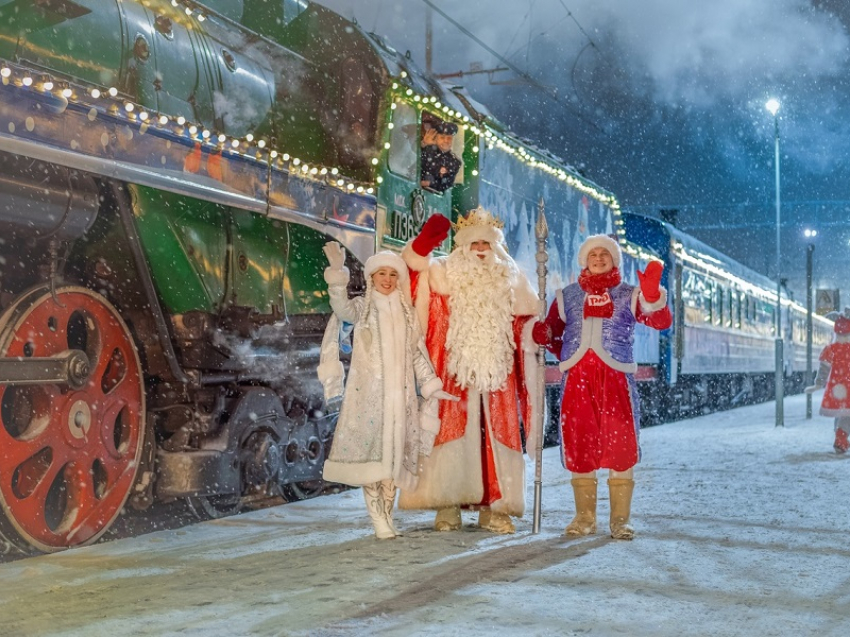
[
  {"x": 834, "y": 374},
  {"x": 590, "y": 327}
]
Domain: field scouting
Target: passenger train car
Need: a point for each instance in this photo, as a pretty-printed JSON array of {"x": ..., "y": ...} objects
[
  {"x": 720, "y": 351},
  {"x": 169, "y": 172}
]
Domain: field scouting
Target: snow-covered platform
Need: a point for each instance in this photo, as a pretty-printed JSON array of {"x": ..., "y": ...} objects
[{"x": 742, "y": 530}]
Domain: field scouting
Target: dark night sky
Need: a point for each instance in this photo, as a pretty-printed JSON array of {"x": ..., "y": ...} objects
[{"x": 662, "y": 102}]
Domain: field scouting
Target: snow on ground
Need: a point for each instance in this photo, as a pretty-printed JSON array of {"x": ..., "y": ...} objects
[{"x": 742, "y": 530}]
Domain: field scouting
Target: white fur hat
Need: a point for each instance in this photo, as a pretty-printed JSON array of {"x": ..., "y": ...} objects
[
  {"x": 599, "y": 241},
  {"x": 387, "y": 259}
]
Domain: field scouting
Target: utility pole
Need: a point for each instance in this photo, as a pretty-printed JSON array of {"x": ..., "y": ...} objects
[{"x": 429, "y": 39}]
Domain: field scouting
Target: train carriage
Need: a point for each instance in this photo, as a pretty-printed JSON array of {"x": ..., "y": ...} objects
[{"x": 720, "y": 351}]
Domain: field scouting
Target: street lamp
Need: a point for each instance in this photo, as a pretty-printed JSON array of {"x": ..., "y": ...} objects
[
  {"x": 810, "y": 249},
  {"x": 772, "y": 105}
]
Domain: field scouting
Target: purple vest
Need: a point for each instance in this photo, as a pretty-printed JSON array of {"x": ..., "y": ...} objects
[{"x": 616, "y": 336}]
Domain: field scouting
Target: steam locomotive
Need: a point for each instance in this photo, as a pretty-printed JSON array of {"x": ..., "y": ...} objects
[{"x": 169, "y": 171}]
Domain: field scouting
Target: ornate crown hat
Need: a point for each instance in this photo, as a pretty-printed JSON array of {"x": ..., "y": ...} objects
[
  {"x": 478, "y": 225},
  {"x": 478, "y": 217}
]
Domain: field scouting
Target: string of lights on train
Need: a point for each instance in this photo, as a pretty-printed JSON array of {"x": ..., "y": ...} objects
[
  {"x": 108, "y": 98},
  {"x": 710, "y": 267},
  {"x": 496, "y": 139}
]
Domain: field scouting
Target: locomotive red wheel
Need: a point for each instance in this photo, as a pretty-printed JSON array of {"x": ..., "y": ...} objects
[{"x": 68, "y": 457}]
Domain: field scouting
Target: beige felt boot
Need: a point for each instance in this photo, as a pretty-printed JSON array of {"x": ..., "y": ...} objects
[
  {"x": 496, "y": 522},
  {"x": 620, "y": 491},
  {"x": 388, "y": 490},
  {"x": 377, "y": 511},
  {"x": 584, "y": 522},
  {"x": 448, "y": 519}
]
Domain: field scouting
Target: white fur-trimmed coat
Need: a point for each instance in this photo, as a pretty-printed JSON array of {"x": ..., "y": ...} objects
[{"x": 376, "y": 438}]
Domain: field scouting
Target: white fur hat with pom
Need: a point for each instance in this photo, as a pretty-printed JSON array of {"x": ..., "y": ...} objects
[
  {"x": 599, "y": 241},
  {"x": 387, "y": 259}
]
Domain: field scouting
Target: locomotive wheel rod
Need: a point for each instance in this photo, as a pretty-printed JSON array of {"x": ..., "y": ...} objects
[{"x": 70, "y": 367}]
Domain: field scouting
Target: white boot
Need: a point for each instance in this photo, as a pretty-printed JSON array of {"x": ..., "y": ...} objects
[
  {"x": 388, "y": 490},
  {"x": 377, "y": 511}
]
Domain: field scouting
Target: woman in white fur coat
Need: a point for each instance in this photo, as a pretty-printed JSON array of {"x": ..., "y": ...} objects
[{"x": 381, "y": 431}]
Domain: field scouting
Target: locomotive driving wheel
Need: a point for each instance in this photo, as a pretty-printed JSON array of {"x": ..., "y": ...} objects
[{"x": 68, "y": 451}]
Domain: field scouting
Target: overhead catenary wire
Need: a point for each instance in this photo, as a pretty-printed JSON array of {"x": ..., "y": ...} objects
[{"x": 523, "y": 74}]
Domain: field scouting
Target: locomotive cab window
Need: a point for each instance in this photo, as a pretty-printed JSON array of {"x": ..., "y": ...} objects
[
  {"x": 404, "y": 142},
  {"x": 441, "y": 159}
]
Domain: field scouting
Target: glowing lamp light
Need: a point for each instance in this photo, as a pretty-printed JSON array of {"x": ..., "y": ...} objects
[
  {"x": 27, "y": 81},
  {"x": 47, "y": 86},
  {"x": 809, "y": 233},
  {"x": 113, "y": 92},
  {"x": 163, "y": 120},
  {"x": 66, "y": 92},
  {"x": 5, "y": 71},
  {"x": 772, "y": 105}
]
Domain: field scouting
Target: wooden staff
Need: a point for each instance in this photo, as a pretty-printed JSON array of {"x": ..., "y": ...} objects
[{"x": 541, "y": 232}]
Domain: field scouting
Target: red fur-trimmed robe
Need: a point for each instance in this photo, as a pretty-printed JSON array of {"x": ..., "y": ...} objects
[{"x": 473, "y": 464}]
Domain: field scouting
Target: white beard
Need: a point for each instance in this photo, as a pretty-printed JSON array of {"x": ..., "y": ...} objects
[{"x": 479, "y": 342}]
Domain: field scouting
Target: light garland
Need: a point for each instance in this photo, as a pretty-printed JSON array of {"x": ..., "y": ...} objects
[
  {"x": 494, "y": 138},
  {"x": 763, "y": 294},
  {"x": 248, "y": 147}
]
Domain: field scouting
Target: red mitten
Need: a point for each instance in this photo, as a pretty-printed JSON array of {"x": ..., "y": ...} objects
[
  {"x": 650, "y": 280},
  {"x": 541, "y": 333},
  {"x": 434, "y": 232}
]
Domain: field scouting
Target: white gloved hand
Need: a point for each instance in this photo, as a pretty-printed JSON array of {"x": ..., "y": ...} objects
[
  {"x": 335, "y": 254},
  {"x": 443, "y": 395}
]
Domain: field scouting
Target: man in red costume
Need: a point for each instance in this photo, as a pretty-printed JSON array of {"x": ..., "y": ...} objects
[
  {"x": 590, "y": 327},
  {"x": 476, "y": 309}
]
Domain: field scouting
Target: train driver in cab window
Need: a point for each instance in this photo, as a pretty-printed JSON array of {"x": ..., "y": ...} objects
[{"x": 439, "y": 164}]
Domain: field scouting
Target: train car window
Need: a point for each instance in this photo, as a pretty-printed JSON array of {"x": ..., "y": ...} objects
[
  {"x": 708, "y": 297},
  {"x": 356, "y": 120},
  {"x": 404, "y": 142},
  {"x": 739, "y": 302},
  {"x": 719, "y": 311},
  {"x": 730, "y": 314}
]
